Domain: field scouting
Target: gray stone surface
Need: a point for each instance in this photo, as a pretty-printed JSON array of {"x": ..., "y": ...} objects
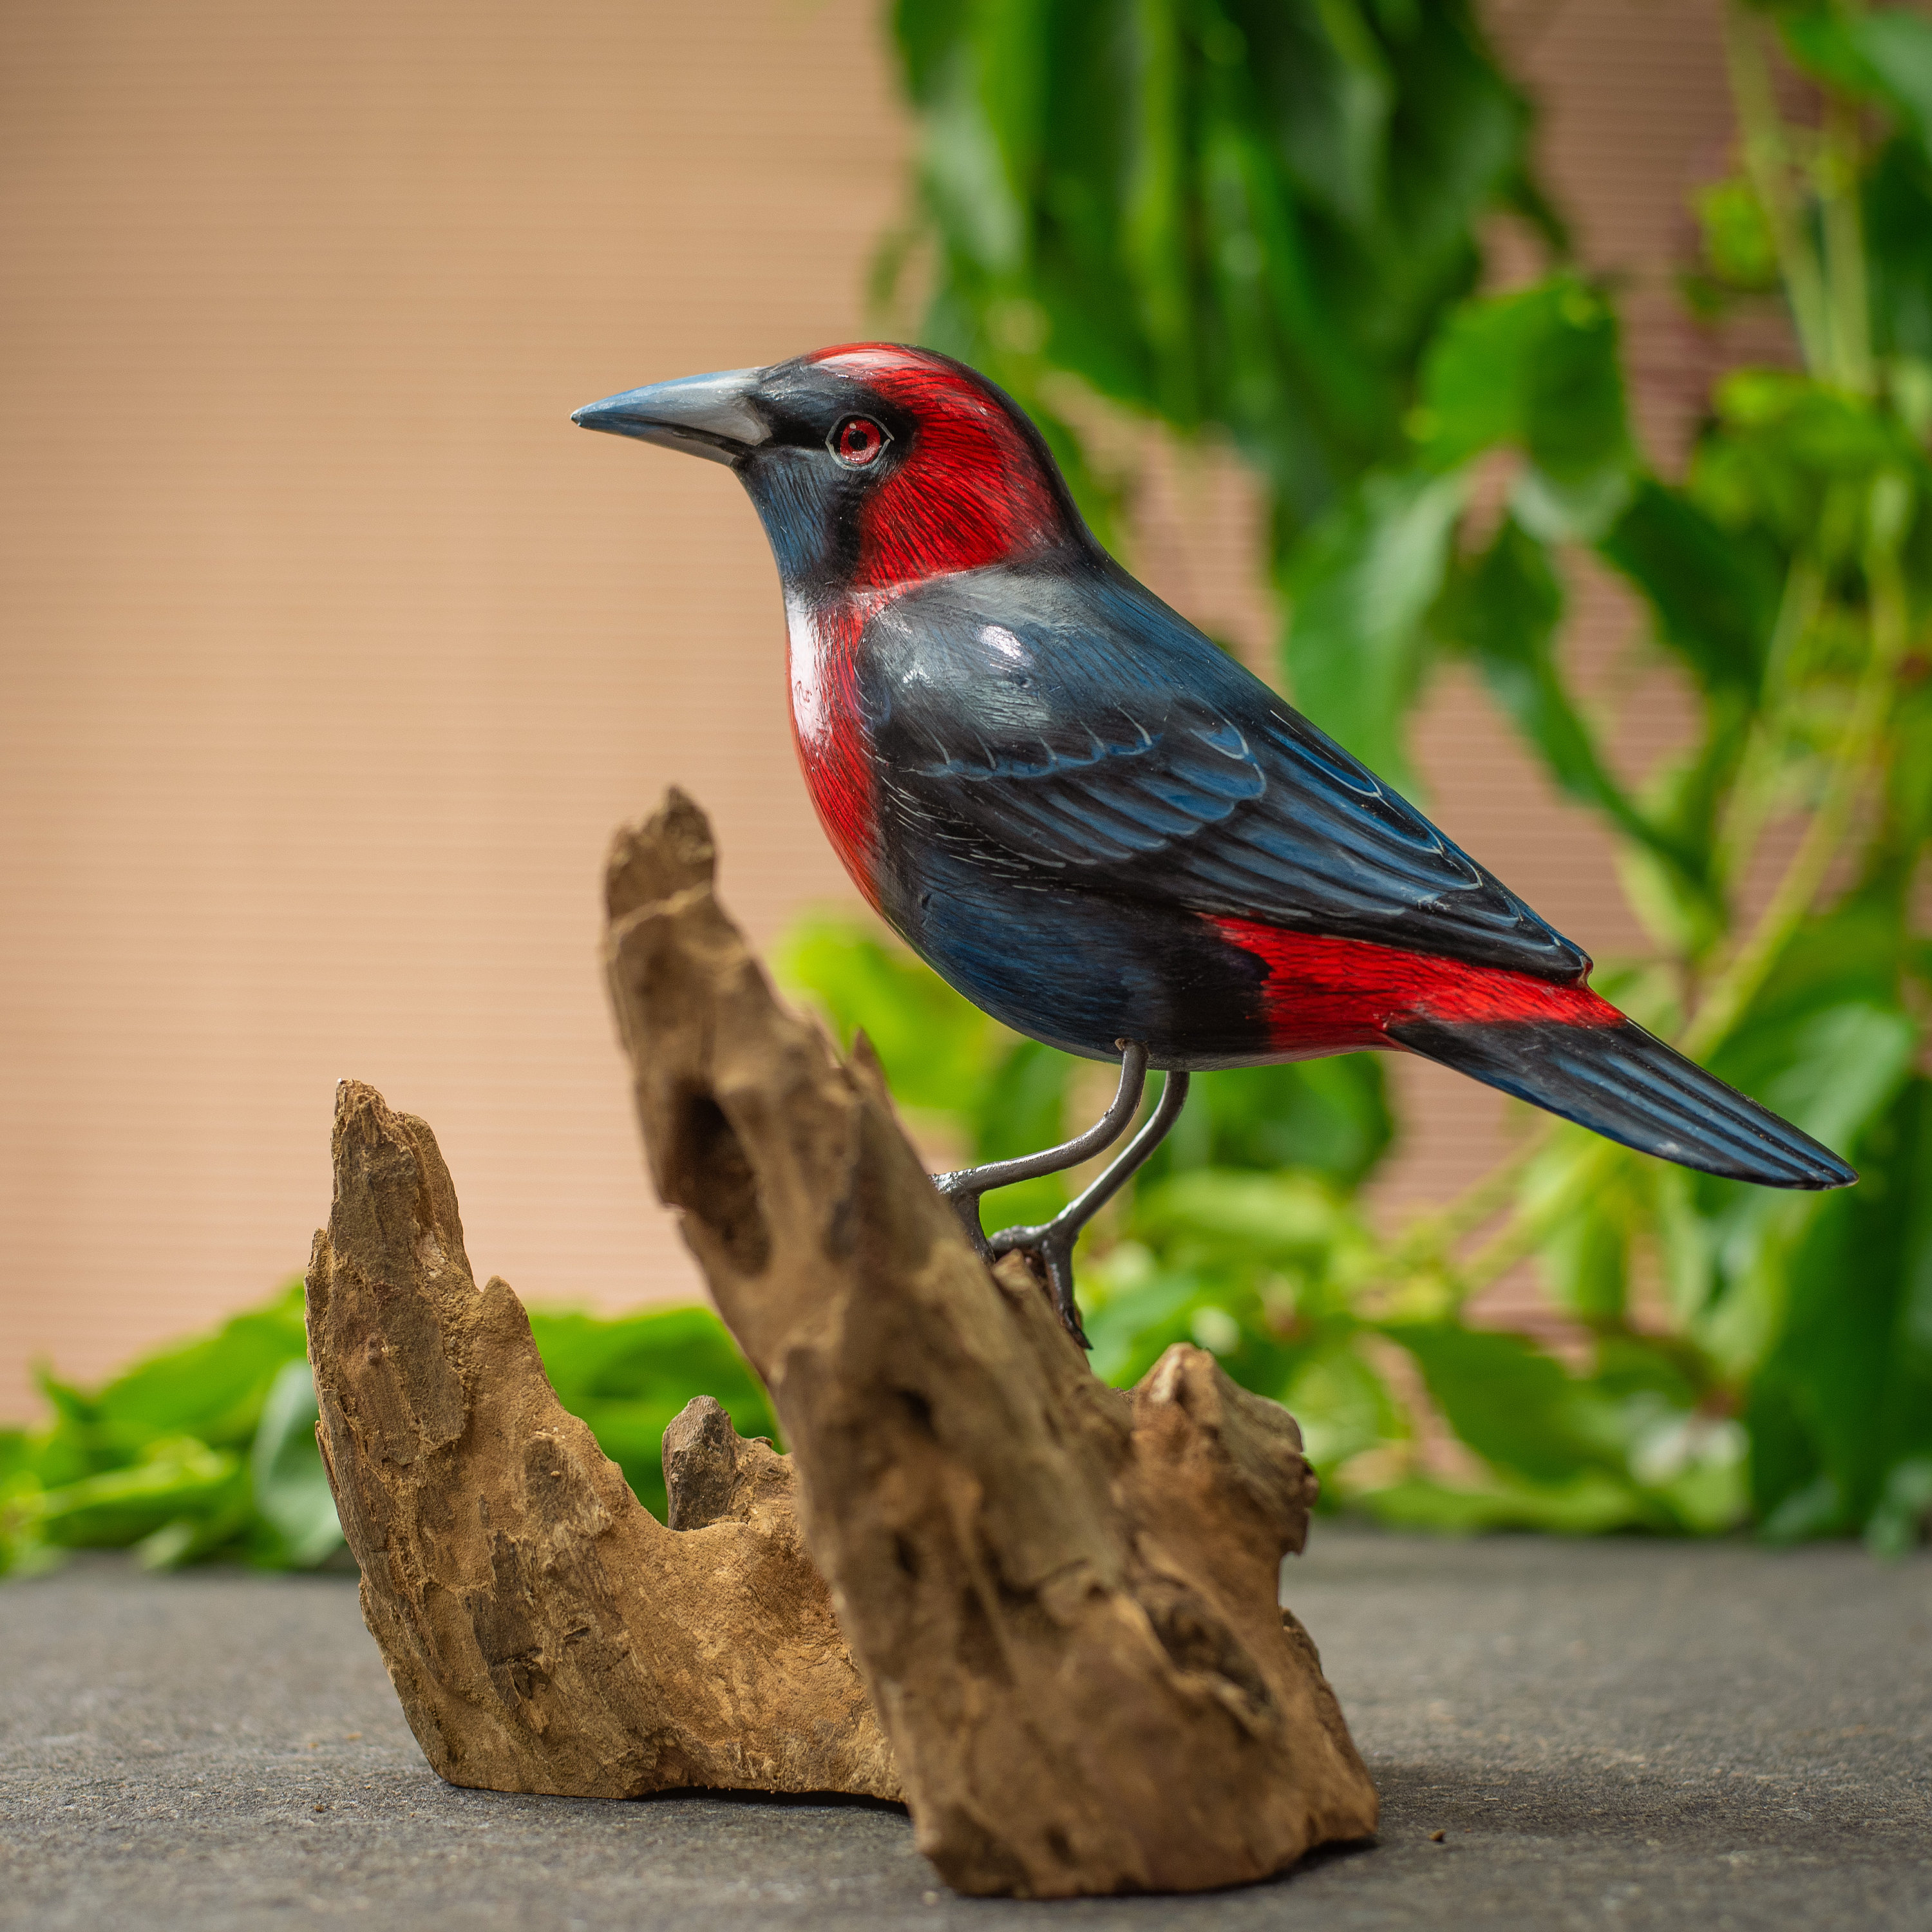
[{"x": 1614, "y": 1734}]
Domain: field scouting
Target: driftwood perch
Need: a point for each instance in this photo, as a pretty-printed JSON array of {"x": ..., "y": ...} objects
[
  {"x": 1062, "y": 1599},
  {"x": 544, "y": 1632}
]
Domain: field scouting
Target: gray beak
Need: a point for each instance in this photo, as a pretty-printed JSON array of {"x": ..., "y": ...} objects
[{"x": 704, "y": 415}]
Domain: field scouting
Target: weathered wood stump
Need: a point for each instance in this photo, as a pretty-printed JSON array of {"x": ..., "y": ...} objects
[
  {"x": 543, "y": 1631},
  {"x": 1060, "y": 1599}
]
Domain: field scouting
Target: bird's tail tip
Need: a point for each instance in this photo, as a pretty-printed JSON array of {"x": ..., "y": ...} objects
[{"x": 1627, "y": 1084}]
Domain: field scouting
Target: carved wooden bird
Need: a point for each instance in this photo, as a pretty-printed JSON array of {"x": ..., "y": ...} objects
[{"x": 1098, "y": 827}]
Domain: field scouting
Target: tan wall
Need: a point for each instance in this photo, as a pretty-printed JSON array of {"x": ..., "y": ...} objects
[{"x": 331, "y": 653}]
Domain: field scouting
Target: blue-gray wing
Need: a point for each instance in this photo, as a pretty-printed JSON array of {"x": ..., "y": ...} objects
[{"x": 1070, "y": 725}]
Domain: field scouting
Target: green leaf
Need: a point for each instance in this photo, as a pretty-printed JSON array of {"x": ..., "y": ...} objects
[
  {"x": 1714, "y": 592},
  {"x": 213, "y": 1388},
  {"x": 1789, "y": 462},
  {"x": 1360, "y": 586},
  {"x": 1017, "y": 1108},
  {"x": 1344, "y": 1406},
  {"x": 1334, "y": 131},
  {"x": 175, "y": 1476},
  {"x": 1902, "y": 1517},
  {"x": 935, "y": 1045},
  {"x": 1514, "y": 1406},
  {"x": 1827, "y": 1040},
  {"x": 1248, "y": 215},
  {"x": 1738, "y": 242},
  {"x": 1154, "y": 216},
  {"x": 1844, "y": 1401},
  {"x": 1623, "y": 1448},
  {"x": 1330, "y": 1116},
  {"x": 1827, "y": 1045},
  {"x": 1136, "y": 1308},
  {"x": 928, "y": 33},
  {"x": 1896, "y": 46},
  {"x": 1226, "y": 1216},
  {"x": 1897, "y": 216},
  {"x": 290, "y": 1485},
  {"x": 1885, "y": 54},
  {"x": 1586, "y": 1261},
  {"x": 1590, "y": 1503},
  {"x": 1537, "y": 370},
  {"x": 1475, "y": 377},
  {"x": 966, "y": 178},
  {"x": 1504, "y": 609}
]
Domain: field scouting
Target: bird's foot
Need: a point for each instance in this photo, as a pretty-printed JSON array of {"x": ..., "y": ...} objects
[
  {"x": 966, "y": 1187},
  {"x": 1049, "y": 1246},
  {"x": 1048, "y": 1249},
  {"x": 958, "y": 1190}
]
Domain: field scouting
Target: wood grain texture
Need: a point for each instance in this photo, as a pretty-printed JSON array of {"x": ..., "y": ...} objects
[
  {"x": 1063, "y": 1598},
  {"x": 544, "y": 1631}
]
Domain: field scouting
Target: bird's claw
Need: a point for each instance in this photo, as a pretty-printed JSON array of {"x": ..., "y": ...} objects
[
  {"x": 1048, "y": 1247},
  {"x": 964, "y": 1201}
]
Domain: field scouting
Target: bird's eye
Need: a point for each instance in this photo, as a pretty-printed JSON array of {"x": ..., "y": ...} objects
[{"x": 856, "y": 441}]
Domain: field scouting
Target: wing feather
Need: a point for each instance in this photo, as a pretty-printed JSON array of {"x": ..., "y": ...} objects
[{"x": 1077, "y": 724}]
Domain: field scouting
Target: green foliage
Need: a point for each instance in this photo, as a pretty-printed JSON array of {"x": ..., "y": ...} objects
[
  {"x": 628, "y": 1375},
  {"x": 1248, "y": 213},
  {"x": 209, "y": 1449},
  {"x": 1841, "y": 1414},
  {"x": 159, "y": 1457},
  {"x": 1265, "y": 220},
  {"x": 1362, "y": 581}
]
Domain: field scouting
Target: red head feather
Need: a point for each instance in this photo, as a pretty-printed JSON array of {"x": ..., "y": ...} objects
[{"x": 973, "y": 490}]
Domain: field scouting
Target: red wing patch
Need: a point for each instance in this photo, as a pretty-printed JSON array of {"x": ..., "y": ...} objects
[{"x": 1327, "y": 995}]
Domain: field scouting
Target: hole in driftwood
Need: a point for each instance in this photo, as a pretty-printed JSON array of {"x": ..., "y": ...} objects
[{"x": 718, "y": 1185}]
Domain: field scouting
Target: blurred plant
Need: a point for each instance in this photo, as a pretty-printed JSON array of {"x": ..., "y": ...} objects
[
  {"x": 1264, "y": 219},
  {"x": 209, "y": 1449},
  {"x": 1248, "y": 213}
]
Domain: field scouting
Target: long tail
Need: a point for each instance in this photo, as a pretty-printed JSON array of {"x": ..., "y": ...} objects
[{"x": 1624, "y": 1083}]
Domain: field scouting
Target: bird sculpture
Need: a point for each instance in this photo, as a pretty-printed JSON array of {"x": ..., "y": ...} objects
[{"x": 1098, "y": 827}]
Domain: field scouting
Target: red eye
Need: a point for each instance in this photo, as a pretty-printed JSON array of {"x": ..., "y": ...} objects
[{"x": 856, "y": 441}]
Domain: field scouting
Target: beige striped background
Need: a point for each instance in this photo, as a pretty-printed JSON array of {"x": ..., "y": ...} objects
[{"x": 330, "y": 653}]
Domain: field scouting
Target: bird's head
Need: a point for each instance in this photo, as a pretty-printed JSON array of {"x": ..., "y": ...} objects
[{"x": 870, "y": 466}]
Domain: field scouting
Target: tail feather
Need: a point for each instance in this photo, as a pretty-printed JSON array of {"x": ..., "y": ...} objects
[{"x": 1627, "y": 1084}]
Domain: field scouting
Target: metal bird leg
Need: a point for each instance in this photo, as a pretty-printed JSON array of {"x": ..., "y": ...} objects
[
  {"x": 1050, "y": 1243},
  {"x": 964, "y": 1186}
]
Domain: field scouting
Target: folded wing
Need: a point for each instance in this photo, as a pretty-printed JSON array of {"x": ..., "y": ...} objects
[{"x": 1075, "y": 726}]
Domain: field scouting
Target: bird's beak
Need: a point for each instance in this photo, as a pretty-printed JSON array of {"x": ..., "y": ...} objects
[{"x": 704, "y": 416}]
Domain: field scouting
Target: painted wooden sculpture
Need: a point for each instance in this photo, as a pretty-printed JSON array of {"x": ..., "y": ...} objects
[{"x": 1099, "y": 827}]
